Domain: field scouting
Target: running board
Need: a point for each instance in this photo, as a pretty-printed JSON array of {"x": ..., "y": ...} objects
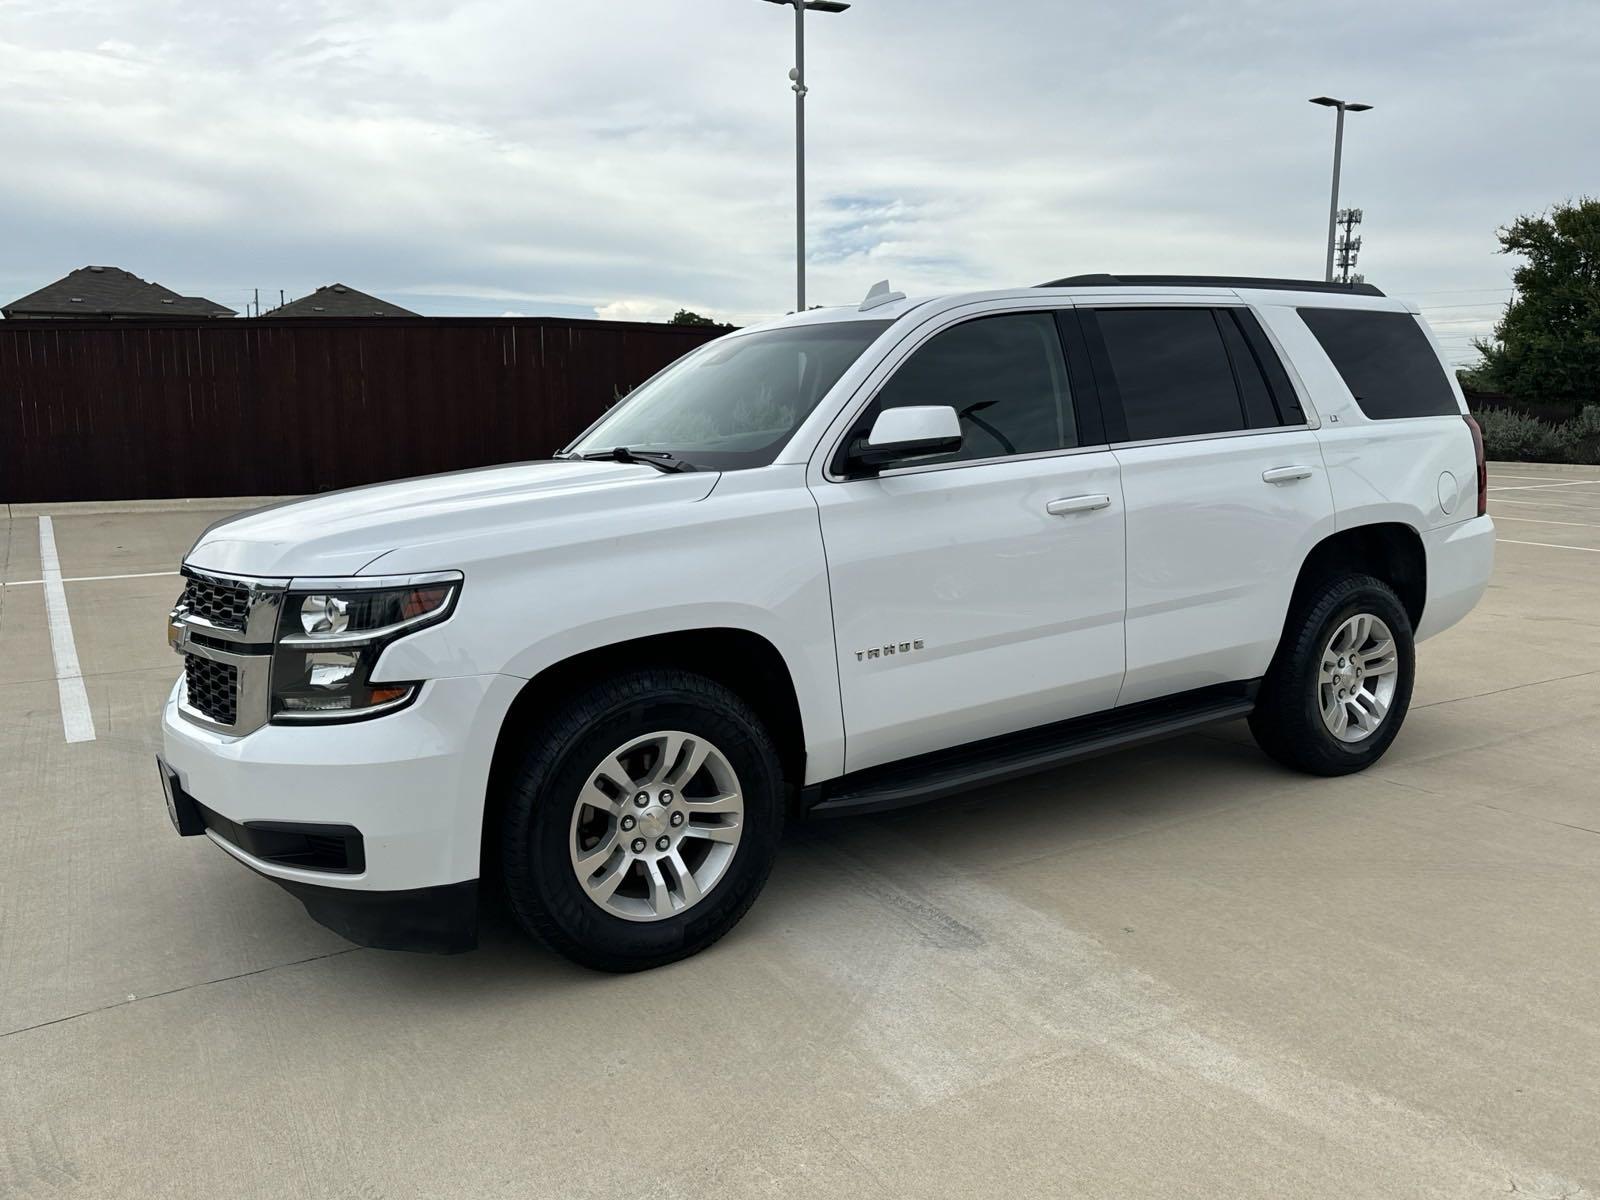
[{"x": 995, "y": 760}]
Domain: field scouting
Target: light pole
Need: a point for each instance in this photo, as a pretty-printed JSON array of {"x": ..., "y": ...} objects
[
  {"x": 1343, "y": 106},
  {"x": 798, "y": 75}
]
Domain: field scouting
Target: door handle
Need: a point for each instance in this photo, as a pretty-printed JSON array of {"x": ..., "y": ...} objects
[
  {"x": 1076, "y": 504},
  {"x": 1285, "y": 474}
]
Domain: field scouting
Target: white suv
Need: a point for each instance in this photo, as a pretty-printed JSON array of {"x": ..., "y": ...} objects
[{"x": 843, "y": 561}]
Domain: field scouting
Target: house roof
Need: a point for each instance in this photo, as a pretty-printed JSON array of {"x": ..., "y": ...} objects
[
  {"x": 110, "y": 292},
  {"x": 339, "y": 300}
]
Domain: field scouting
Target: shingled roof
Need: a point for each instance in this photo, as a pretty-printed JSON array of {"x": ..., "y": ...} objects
[
  {"x": 110, "y": 292},
  {"x": 339, "y": 300}
]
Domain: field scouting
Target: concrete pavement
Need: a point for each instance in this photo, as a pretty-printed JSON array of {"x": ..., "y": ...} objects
[{"x": 1180, "y": 971}]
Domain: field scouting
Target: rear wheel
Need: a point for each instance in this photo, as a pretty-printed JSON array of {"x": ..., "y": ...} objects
[
  {"x": 1338, "y": 691},
  {"x": 643, "y": 821}
]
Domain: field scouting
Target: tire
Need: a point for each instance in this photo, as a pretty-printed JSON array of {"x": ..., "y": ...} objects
[
  {"x": 1289, "y": 722},
  {"x": 654, "y": 916}
]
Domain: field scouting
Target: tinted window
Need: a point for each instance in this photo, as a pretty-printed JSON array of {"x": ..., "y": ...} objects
[
  {"x": 1004, "y": 376},
  {"x": 1385, "y": 360},
  {"x": 1172, "y": 371},
  {"x": 1283, "y": 393},
  {"x": 735, "y": 401},
  {"x": 1253, "y": 390}
]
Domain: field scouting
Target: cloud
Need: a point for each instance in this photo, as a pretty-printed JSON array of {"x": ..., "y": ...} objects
[
  {"x": 466, "y": 158},
  {"x": 636, "y": 310}
]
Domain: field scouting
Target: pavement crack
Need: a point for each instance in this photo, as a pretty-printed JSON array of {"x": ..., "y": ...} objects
[
  {"x": 188, "y": 987},
  {"x": 1515, "y": 687},
  {"x": 1536, "y": 817}
]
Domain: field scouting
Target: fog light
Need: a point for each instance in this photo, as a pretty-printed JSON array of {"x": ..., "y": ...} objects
[{"x": 317, "y": 703}]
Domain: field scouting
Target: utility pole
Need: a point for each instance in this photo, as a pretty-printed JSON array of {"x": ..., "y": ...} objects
[
  {"x": 797, "y": 75},
  {"x": 1343, "y": 106}
]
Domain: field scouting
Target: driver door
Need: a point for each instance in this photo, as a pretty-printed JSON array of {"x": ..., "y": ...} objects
[{"x": 982, "y": 592}]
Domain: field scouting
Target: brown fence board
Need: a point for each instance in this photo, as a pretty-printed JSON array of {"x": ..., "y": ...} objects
[{"x": 125, "y": 410}]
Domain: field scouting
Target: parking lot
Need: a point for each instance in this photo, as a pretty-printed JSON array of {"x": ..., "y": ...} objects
[{"x": 1179, "y": 971}]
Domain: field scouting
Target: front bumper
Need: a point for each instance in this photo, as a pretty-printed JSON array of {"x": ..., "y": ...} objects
[{"x": 411, "y": 785}]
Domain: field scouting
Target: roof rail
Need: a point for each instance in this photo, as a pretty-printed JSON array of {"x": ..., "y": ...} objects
[{"x": 1231, "y": 281}]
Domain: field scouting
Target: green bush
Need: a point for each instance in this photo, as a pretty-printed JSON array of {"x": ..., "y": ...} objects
[
  {"x": 1579, "y": 439},
  {"x": 1517, "y": 437}
]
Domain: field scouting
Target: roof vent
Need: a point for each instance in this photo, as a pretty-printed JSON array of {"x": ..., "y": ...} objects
[
  {"x": 77, "y": 300},
  {"x": 97, "y": 270},
  {"x": 879, "y": 295},
  {"x": 340, "y": 288}
]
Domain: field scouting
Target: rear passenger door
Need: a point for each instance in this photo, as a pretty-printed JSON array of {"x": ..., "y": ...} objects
[{"x": 1223, "y": 483}]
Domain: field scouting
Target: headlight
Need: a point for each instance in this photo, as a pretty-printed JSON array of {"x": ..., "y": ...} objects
[{"x": 331, "y": 635}]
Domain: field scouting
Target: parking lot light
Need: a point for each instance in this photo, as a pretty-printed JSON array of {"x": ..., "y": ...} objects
[
  {"x": 797, "y": 75},
  {"x": 1343, "y": 106}
]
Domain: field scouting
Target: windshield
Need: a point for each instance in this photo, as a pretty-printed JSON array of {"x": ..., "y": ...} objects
[{"x": 734, "y": 402}]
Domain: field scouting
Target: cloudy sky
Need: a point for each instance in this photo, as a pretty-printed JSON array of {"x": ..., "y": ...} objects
[{"x": 628, "y": 157}]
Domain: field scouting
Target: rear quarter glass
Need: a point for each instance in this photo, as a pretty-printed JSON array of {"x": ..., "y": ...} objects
[{"x": 1385, "y": 360}]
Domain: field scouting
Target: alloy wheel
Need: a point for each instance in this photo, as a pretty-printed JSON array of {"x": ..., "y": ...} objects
[
  {"x": 1357, "y": 678},
  {"x": 656, "y": 825}
]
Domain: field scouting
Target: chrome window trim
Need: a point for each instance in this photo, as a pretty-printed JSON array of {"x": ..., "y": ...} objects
[{"x": 1212, "y": 437}]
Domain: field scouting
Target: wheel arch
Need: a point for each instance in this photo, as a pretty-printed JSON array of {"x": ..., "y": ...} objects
[
  {"x": 1389, "y": 550},
  {"x": 740, "y": 659}
]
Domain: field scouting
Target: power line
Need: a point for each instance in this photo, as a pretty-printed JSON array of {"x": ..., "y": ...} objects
[{"x": 1462, "y": 291}]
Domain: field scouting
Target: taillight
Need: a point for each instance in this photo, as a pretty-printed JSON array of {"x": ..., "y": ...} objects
[{"x": 1483, "y": 465}]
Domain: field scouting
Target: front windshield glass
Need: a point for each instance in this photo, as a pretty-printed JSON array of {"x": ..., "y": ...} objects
[{"x": 734, "y": 402}]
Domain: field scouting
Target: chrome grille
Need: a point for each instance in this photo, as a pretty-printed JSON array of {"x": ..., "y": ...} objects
[
  {"x": 213, "y": 688},
  {"x": 221, "y": 603},
  {"x": 223, "y": 626}
]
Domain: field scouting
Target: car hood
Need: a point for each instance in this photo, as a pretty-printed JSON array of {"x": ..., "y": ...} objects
[{"x": 340, "y": 533}]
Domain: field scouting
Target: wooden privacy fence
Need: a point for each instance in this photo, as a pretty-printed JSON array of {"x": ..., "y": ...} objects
[{"x": 120, "y": 410}]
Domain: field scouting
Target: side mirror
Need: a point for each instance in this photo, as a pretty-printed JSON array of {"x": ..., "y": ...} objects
[{"x": 918, "y": 431}]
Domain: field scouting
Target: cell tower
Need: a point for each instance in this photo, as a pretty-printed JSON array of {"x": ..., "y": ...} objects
[{"x": 1349, "y": 245}]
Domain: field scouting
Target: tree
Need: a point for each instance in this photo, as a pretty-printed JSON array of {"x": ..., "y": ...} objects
[
  {"x": 684, "y": 317},
  {"x": 1546, "y": 347}
]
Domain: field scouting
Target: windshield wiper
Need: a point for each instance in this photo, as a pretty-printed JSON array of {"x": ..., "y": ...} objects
[{"x": 659, "y": 459}]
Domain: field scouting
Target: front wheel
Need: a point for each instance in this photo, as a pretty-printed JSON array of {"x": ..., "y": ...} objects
[
  {"x": 644, "y": 820},
  {"x": 1339, "y": 688}
]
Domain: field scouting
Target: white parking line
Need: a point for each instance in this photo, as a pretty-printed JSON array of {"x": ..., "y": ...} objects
[
  {"x": 76, "y": 719},
  {"x": 1539, "y": 487},
  {"x": 1547, "y": 478},
  {"x": 1537, "y": 521},
  {"x": 90, "y": 578},
  {"x": 1544, "y": 503},
  {"x": 1549, "y": 545}
]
